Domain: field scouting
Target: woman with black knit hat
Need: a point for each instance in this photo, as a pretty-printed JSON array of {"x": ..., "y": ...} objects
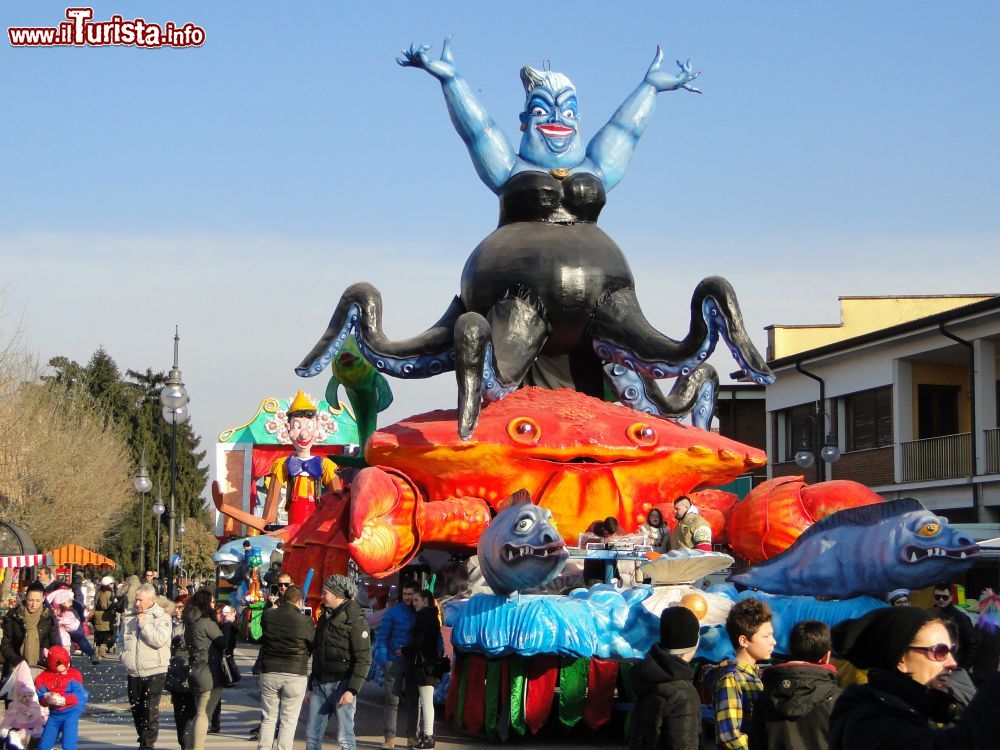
[{"x": 908, "y": 653}]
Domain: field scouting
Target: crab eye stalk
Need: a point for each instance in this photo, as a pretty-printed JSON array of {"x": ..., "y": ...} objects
[
  {"x": 524, "y": 430},
  {"x": 930, "y": 528},
  {"x": 642, "y": 434}
]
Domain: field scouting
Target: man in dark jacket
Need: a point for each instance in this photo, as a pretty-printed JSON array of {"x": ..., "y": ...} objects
[
  {"x": 284, "y": 660},
  {"x": 967, "y": 641},
  {"x": 667, "y": 708},
  {"x": 28, "y": 631},
  {"x": 342, "y": 655},
  {"x": 793, "y": 711}
]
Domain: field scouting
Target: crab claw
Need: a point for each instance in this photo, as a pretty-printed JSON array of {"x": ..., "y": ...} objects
[{"x": 386, "y": 521}]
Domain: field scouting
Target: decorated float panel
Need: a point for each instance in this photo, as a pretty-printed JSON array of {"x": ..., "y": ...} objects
[{"x": 245, "y": 456}]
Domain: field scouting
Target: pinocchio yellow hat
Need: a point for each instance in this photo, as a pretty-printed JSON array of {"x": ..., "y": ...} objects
[{"x": 301, "y": 402}]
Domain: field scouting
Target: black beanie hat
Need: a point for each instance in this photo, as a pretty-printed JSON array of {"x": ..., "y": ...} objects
[
  {"x": 880, "y": 638},
  {"x": 678, "y": 629}
]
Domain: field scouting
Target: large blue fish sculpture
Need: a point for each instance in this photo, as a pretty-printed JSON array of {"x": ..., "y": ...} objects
[
  {"x": 867, "y": 550},
  {"x": 521, "y": 548}
]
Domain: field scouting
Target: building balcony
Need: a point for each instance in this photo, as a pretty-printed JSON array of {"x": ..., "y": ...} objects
[
  {"x": 993, "y": 451},
  {"x": 943, "y": 457}
]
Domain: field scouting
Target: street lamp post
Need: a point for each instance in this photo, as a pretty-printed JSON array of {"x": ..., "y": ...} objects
[
  {"x": 825, "y": 442},
  {"x": 142, "y": 484},
  {"x": 158, "y": 511},
  {"x": 175, "y": 399},
  {"x": 813, "y": 436},
  {"x": 180, "y": 531}
]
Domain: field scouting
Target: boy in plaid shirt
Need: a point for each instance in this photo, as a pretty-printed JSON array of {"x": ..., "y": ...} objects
[{"x": 736, "y": 682}]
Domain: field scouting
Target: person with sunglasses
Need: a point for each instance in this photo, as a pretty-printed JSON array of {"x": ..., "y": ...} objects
[
  {"x": 280, "y": 587},
  {"x": 908, "y": 653},
  {"x": 946, "y": 610}
]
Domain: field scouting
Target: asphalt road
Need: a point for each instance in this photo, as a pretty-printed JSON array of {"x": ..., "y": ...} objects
[{"x": 107, "y": 722}]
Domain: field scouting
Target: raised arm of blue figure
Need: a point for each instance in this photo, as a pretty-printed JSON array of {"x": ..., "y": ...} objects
[
  {"x": 612, "y": 146},
  {"x": 491, "y": 152}
]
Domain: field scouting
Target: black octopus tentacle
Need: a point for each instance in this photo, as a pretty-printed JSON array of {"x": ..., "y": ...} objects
[
  {"x": 493, "y": 354},
  {"x": 360, "y": 310},
  {"x": 472, "y": 341},
  {"x": 695, "y": 392},
  {"x": 519, "y": 331},
  {"x": 622, "y": 335}
]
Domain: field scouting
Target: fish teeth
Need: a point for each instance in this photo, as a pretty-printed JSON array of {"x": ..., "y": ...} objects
[
  {"x": 961, "y": 556},
  {"x": 913, "y": 557}
]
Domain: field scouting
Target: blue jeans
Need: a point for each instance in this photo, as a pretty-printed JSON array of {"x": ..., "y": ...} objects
[
  {"x": 323, "y": 701},
  {"x": 68, "y": 723},
  {"x": 79, "y": 637}
]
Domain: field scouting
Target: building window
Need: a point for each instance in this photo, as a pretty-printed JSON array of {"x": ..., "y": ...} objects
[
  {"x": 796, "y": 428},
  {"x": 937, "y": 410},
  {"x": 869, "y": 419}
]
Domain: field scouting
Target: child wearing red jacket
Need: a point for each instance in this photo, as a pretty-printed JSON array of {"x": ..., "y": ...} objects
[{"x": 60, "y": 687}]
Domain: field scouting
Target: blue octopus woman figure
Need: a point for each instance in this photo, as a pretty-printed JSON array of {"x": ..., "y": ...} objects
[{"x": 548, "y": 298}]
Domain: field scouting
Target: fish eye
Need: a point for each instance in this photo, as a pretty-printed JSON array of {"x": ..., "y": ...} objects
[
  {"x": 524, "y": 430},
  {"x": 524, "y": 524},
  {"x": 929, "y": 528},
  {"x": 642, "y": 434}
]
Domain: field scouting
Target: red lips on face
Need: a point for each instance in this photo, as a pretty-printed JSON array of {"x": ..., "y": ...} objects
[{"x": 555, "y": 131}]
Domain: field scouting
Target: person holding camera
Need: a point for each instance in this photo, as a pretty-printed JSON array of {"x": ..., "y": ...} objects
[
  {"x": 285, "y": 648},
  {"x": 422, "y": 655}
]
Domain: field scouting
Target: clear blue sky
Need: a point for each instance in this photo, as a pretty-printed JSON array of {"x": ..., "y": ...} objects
[{"x": 237, "y": 188}]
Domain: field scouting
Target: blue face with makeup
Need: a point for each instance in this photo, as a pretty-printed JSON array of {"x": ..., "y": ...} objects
[{"x": 550, "y": 121}]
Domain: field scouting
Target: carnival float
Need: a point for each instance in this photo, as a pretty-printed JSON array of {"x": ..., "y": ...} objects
[{"x": 560, "y": 421}]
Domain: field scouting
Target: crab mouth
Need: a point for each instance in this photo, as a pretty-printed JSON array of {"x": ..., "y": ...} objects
[
  {"x": 913, "y": 554},
  {"x": 585, "y": 460},
  {"x": 555, "y": 131},
  {"x": 515, "y": 552}
]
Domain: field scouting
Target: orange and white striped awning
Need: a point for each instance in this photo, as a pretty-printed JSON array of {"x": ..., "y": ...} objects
[
  {"x": 25, "y": 561},
  {"x": 74, "y": 554}
]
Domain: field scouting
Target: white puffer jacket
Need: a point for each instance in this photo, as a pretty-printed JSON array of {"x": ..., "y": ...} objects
[{"x": 146, "y": 649}]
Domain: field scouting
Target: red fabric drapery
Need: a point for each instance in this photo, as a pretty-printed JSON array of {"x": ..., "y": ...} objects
[
  {"x": 543, "y": 673},
  {"x": 600, "y": 693},
  {"x": 475, "y": 694}
]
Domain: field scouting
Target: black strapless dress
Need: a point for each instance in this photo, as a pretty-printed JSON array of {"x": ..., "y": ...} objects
[{"x": 548, "y": 242}]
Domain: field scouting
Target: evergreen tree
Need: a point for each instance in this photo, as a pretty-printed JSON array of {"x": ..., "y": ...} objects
[{"x": 133, "y": 402}]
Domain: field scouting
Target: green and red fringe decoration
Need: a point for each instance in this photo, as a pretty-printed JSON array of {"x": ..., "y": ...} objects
[{"x": 518, "y": 693}]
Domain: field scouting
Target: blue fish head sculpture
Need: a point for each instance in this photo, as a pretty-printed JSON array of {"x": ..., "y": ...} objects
[
  {"x": 521, "y": 548},
  {"x": 931, "y": 545},
  {"x": 869, "y": 550}
]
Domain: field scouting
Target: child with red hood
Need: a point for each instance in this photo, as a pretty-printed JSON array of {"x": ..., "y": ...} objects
[{"x": 60, "y": 687}]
